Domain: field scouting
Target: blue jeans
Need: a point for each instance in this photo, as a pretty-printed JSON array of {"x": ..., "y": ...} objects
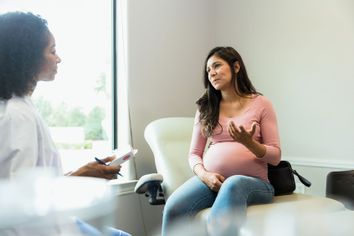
[
  {"x": 235, "y": 194},
  {"x": 89, "y": 230}
]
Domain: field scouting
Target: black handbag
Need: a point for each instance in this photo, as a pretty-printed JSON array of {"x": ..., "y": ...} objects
[{"x": 282, "y": 178}]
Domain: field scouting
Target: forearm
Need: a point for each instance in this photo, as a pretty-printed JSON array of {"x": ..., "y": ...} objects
[
  {"x": 258, "y": 149},
  {"x": 199, "y": 170},
  {"x": 212, "y": 180}
]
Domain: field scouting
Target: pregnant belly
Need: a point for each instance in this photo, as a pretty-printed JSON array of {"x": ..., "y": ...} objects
[{"x": 232, "y": 158}]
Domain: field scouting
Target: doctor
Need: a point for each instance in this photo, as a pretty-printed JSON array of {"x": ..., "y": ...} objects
[{"x": 27, "y": 56}]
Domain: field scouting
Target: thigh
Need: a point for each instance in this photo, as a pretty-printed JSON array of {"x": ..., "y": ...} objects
[
  {"x": 191, "y": 197},
  {"x": 235, "y": 194},
  {"x": 247, "y": 189}
]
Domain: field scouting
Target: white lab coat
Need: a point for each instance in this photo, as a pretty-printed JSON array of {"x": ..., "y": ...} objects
[{"x": 25, "y": 141}]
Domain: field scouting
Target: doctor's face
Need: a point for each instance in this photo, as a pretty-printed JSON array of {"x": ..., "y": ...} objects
[{"x": 50, "y": 62}]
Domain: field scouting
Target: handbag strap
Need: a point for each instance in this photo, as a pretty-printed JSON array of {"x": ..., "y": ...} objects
[{"x": 303, "y": 180}]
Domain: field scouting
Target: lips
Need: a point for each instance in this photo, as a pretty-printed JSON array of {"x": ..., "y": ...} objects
[{"x": 215, "y": 81}]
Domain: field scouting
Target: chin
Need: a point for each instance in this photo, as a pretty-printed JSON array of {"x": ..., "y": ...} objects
[
  {"x": 47, "y": 75},
  {"x": 49, "y": 78}
]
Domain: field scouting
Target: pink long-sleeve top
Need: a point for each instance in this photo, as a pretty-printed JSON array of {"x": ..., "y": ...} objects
[{"x": 228, "y": 157}]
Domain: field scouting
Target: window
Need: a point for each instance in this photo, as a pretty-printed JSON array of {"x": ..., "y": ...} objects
[{"x": 78, "y": 104}]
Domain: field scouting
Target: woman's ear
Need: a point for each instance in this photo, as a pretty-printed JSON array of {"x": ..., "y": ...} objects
[{"x": 237, "y": 67}]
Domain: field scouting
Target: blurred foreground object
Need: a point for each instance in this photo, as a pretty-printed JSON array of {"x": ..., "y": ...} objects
[{"x": 38, "y": 203}]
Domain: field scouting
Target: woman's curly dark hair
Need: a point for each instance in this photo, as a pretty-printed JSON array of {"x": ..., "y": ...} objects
[
  {"x": 23, "y": 38},
  {"x": 209, "y": 103}
]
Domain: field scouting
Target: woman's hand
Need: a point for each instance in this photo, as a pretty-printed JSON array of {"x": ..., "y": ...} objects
[
  {"x": 212, "y": 180},
  {"x": 240, "y": 134},
  {"x": 95, "y": 169}
]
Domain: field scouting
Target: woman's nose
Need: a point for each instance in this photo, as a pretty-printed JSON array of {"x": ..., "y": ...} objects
[{"x": 212, "y": 72}]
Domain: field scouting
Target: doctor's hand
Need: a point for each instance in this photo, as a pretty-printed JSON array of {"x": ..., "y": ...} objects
[
  {"x": 95, "y": 169},
  {"x": 240, "y": 134}
]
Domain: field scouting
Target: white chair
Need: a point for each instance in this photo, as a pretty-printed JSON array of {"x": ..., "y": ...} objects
[{"x": 169, "y": 140}]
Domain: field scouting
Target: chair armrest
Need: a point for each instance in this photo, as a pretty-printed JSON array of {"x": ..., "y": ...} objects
[{"x": 150, "y": 185}]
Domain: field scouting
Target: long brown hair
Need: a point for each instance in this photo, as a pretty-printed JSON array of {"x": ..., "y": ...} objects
[{"x": 209, "y": 102}]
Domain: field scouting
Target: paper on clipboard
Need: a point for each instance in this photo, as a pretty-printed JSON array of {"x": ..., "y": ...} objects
[{"x": 123, "y": 155}]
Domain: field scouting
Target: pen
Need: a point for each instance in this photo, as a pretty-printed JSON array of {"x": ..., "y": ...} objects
[{"x": 103, "y": 163}]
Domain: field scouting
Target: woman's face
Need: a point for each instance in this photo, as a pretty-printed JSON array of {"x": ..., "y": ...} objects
[
  {"x": 219, "y": 73},
  {"x": 50, "y": 61}
]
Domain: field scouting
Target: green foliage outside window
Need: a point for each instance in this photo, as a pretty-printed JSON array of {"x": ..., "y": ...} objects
[{"x": 66, "y": 116}]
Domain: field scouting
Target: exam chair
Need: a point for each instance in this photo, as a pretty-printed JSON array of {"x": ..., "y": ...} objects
[{"x": 169, "y": 139}]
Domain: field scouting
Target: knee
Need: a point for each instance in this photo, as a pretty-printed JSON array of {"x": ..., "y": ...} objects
[
  {"x": 235, "y": 183},
  {"x": 176, "y": 205},
  {"x": 172, "y": 206}
]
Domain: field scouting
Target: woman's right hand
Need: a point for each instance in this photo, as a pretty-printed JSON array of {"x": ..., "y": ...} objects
[{"x": 211, "y": 179}]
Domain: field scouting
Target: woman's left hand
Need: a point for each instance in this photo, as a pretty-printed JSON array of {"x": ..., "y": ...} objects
[{"x": 240, "y": 134}]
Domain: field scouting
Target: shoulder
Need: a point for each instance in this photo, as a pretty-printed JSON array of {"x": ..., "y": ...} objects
[
  {"x": 262, "y": 101},
  {"x": 16, "y": 110},
  {"x": 197, "y": 117},
  {"x": 18, "y": 125}
]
